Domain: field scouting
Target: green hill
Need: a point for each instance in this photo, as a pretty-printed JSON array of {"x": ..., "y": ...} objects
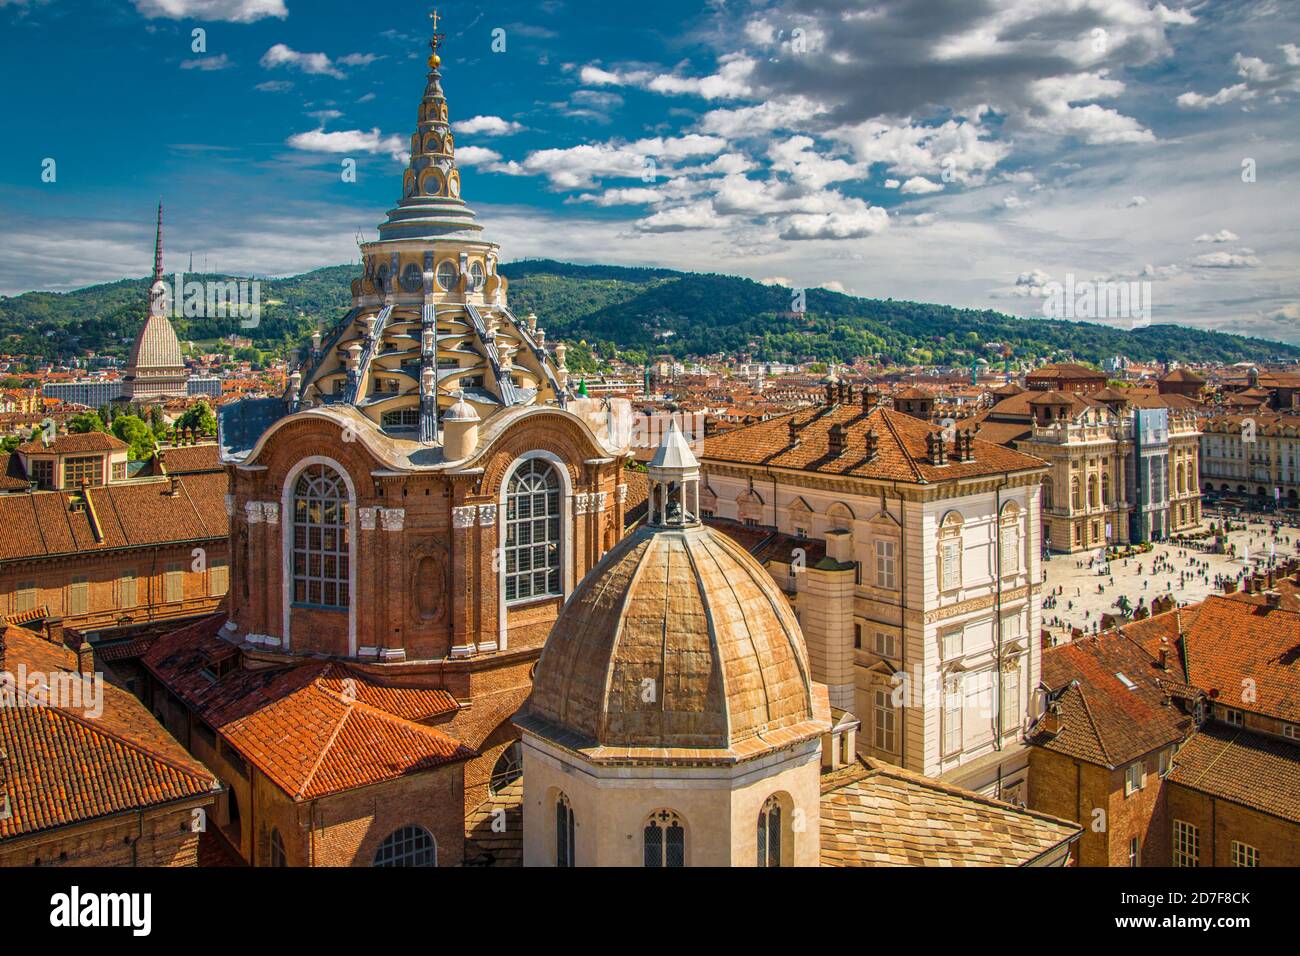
[{"x": 645, "y": 312}]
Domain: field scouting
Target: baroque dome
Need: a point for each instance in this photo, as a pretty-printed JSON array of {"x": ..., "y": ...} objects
[{"x": 678, "y": 644}]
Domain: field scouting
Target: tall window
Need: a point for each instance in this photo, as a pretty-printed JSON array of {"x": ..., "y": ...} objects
[
  {"x": 1187, "y": 844},
  {"x": 1076, "y": 495},
  {"x": 278, "y": 857},
  {"x": 1105, "y": 488},
  {"x": 884, "y": 721},
  {"x": 126, "y": 590},
  {"x": 1047, "y": 494},
  {"x": 886, "y": 564},
  {"x": 1011, "y": 699},
  {"x": 950, "y": 555},
  {"x": 769, "y": 833},
  {"x": 1134, "y": 851},
  {"x": 409, "y": 846},
  {"x": 321, "y": 547},
  {"x": 664, "y": 840},
  {"x": 1243, "y": 854},
  {"x": 78, "y": 595},
  {"x": 533, "y": 532},
  {"x": 564, "y": 838},
  {"x": 1010, "y": 547},
  {"x": 952, "y": 717}
]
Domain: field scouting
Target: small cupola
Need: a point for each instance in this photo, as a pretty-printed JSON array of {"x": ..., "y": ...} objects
[
  {"x": 460, "y": 430},
  {"x": 674, "y": 482}
]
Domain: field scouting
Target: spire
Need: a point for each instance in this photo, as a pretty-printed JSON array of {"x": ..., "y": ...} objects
[
  {"x": 158, "y": 248},
  {"x": 431, "y": 205},
  {"x": 157, "y": 291}
]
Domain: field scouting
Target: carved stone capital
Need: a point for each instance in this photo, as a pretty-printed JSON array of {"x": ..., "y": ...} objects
[
  {"x": 230, "y": 506},
  {"x": 253, "y": 512},
  {"x": 599, "y": 500},
  {"x": 487, "y": 515},
  {"x": 464, "y": 517},
  {"x": 369, "y": 517},
  {"x": 581, "y": 503},
  {"x": 393, "y": 519},
  {"x": 271, "y": 512},
  {"x": 621, "y": 491}
]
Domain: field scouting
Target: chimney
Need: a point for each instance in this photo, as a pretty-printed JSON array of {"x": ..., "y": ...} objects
[
  {"x": 54, "y": 630},
  {"x": 1273, "y": 599},
  {"x": 870, "y": 398},
  {"x": 85, "y": 659},
  {"x": 1164, "y": 654},
  {"x": 837, "y": 439},
  {"x": 936, "y": 449},
  {"x": 176, "y": 487},
  {"x": 873, "y": 444},
  {"x": 1051, "y": 722},
  {"x": 794, "y": 432}
]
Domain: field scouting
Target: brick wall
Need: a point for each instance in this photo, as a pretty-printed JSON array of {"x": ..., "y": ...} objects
[
  {"x": 163, "y": 837},
  {"x": 1221, "y": 822}
]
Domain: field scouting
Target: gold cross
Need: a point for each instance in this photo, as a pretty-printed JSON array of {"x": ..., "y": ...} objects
[{"x": 434, "y": 17}]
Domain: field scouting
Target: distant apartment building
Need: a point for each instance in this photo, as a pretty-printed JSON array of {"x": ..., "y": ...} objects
[
  {"x": 106, "y": 545},
  {"x": 1256, "y": 455},
  {"x": 1124, "y": 463},
  {"x": 912, "y": 563}
]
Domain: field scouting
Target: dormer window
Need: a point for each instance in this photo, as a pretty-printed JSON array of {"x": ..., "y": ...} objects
[
  {"x": 89, "y": 469},
  {"x": 42, "y": 472}
]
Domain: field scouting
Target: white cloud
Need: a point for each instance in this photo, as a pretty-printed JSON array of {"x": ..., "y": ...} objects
[
  {"x": 730, "y": 82},
  {"x": 1258, "y": 78},
  {"x": 229, "y": 11},
  {"x": 359, "y": 59},
  {"x": 476, "y": 156},
  {"x": 1225, "y": 260},
  {"x": 956, "y": 150},
  {"x": 316, "y": 63},
  {"x": 855, "y": 220},
  {"x": 350, "y": 141},
  {"x": 680, "y": 219},
  {"x": 920, "y": 186},
  {"x": 1136, "y": 202},
  {"x": 623, "y": 197},
  {"x": 487, "y": 126},
  {"x": 1223, "y": 235},
  {"x": 208, "y": 63}
]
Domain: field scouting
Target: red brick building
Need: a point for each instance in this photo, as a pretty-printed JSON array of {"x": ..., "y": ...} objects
[
  {"x": 406, "y": 523},
  {"x": 87, "y": 777},
  {"x": 1198, "y": 760}
]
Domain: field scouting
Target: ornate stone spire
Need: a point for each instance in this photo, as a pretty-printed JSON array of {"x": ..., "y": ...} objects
[
  {"x": 157, "y": 294},
  {"x": 431, "y": 205}
]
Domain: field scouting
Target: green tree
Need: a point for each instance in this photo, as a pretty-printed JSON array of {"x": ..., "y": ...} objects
[
  {"x": 85, "y": 422},
  {"x": 198, "y": 418},
  {"x": 135, "y": 431}
]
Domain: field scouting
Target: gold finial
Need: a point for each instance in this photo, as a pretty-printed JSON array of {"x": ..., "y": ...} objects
[{"x": 434, "y": 59}]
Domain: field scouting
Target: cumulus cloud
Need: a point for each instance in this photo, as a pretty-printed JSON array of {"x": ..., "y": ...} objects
[
  {"x": 476, "y": 156},
  {"x": 680, "y": 219},
  {"x": 1223, "y": 235},
  {"x": 487, "y": 126},
  {"x": 855, "y": 220},
  {"x": 317, "y": 63},
  {"x": 1258, "y": 79},
  {"x": 229, "y": 11},
  {"x": 1244, "y": 259},
  {"x": 208, "y": 63},
  {"x": 351, "y": 141},
  {"x": 730, "y": 82},
  {"x": 920, "y": 186}
]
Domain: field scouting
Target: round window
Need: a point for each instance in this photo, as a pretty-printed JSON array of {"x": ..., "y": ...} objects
[
  {"x": 453, "y": 186},
  {"x": 446, "y": 274},
  {"x": 476, "y": 275},
  {"x": 412, "y": 278}
]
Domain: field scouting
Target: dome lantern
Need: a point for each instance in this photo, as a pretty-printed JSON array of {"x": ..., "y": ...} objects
[{"x": 674, "y": 482}]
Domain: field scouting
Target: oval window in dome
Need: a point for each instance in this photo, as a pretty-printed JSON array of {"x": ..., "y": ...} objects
[
  {"x": 446, "y": 274},
  {"x": 476, "y": 276}
]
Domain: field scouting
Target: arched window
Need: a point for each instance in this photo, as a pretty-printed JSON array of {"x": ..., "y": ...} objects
[
  {"x": 1047, "y": 494},
  {"x": 769, "y": 833},
  {"x": 1076, "y": 497},
  {"x": 278, "y": 857},
  {"x": 509, "y": 768},
  {"x": 409, "y": 846},
  {"x": 950, "y": 551},
  {"x": 321, "y": 548},
  {"x": 1093, "y": 499},
  {"x": 1105, "y": 488},
  {"x": 564, "y": 838},
  {"x": 664, "y": 840},
  {"x": 533, "y": 532}
]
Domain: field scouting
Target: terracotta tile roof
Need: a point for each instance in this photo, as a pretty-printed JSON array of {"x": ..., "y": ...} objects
[
  {"x": 486, "y": 845},
  {"x": 12, "y": 476},
  {"x": 1102, "y": 720},
  {"x": 901, "y": 454},
  {"x": 65, "y": 766},
  {"x": 875, "y": 814},
  {"x": 1233, "y": 641},
  {"x": 1003, "y": 433},
  {"x": 1249, "y": 769},
  {"x": 768, "y": 544},
  {"x": 75, "y": 444},
  {"x": 129, "y": 515},
  {"x": 313, "y": 728},
  {"x": 1063, "y": 370},
  {"x": 189, "y": 459}
]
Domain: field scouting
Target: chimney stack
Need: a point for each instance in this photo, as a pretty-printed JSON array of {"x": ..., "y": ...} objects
[
  {"x": 873, "y": 444},
  {"x": 85, "y": 659},
  {"x": 794, "y": 432},
  {"x": 837, "y": 439},
  {"x": 54, "y": 630},
  {"x": 936, "y": 449},
  {"x": 870, "y": 398},
  {"x": 1164, "y": 654},
  {"x": 1273, "y": 599}
]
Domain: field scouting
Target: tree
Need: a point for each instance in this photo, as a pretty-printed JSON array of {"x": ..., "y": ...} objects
[
  {"x": 199, "y": 419},
  {"x": 135, "y": 431},
  {"x": 84, "y": 423}
]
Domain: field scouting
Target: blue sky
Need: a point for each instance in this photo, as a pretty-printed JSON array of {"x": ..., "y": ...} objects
[{"x": 959, "y": 151}]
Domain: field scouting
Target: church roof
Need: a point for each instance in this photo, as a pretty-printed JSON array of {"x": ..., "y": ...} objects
[
  {"x": 156, "y": 347},
  {"x": 678, "y": 646}
]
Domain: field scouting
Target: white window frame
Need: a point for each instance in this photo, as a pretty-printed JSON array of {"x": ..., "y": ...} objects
[
  {"x": 886, "y": 554},
  {"x": 1010, "y": 700},
  {"x": 884, "y": 643},
  {"x": 1243, "y": 854},
  {"x": 950, "y": 555},
  {"x": 1186, "y": 844},
  {"x": 953, "y": 705},
  {"x": 884, "y": 720},
  {"x": 1135, "y": 777},
  {"x": 952, "y": 643}
]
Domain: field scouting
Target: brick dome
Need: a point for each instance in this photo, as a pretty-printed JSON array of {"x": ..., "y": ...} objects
[{"x": 678, "y": 640}]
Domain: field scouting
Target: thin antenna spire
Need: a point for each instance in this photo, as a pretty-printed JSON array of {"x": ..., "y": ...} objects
[{"x": 158, "y": 247}]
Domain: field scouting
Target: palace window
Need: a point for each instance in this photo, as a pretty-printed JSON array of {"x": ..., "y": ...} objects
[
  {"x": 218, "y": 580},
  {"x": 409, "y": 846},
  {"x": 769, "y": 833},
  {"x": 1011, "y": 699},
  {"x": 509, "y": 768},
  {"x": 1010, "y": 547},
  {"x": 532, "y": 549},
  {"x": 76, "y": 470},
  {"x": 886, "y": 645},
  {"x": 663, "y": 841},
  {"x": 1105, "y": 489},
  {"x": 1047, "y": 494},
  {"x": 126, "y": 590},
  {"x": 1243, "y": 854},
  {"x": 78, "y": 595},
  {"x": 886, "y": 564},
  {"x": 25, "y": 597},
  {"x": 1076, "y": 495},
  {"x": 951, "y": 643},
  {"x": 447, "y": 274},
  {"x": 950, "y": 552},
  {"x": 1187, "y": 844},
  {"x": 174, "y": 584},
  {"x": 564, "y": 832},
  {"x": 321, "y": 545},
  {"x": 952, "y": 713},
  {"x": 402, "y": 418},
  {"x": 884, "y": 721},
  {"x": 278, "y": 857}
]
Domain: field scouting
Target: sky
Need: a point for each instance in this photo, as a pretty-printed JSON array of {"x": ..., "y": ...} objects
[{"x": 966, "y": 152}]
